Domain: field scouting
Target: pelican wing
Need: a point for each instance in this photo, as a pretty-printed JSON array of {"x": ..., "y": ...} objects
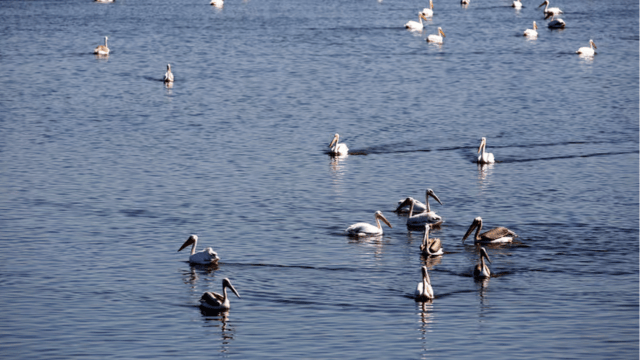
[
  {"x": 212, "y": 299},
  {"x": 497, "y": 233}
]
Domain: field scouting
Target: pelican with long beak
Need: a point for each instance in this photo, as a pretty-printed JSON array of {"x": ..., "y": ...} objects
[
  {"x": 482, "y": 270},
  {"x": 102, "y": 49},
  {"x": 337, "y": 148},
  {"x": 437, "y": 38},
  {"x": 495, "y": 235},
  {"x": 430, "y": 247},
  {"x": 532, "y": 33},
  {"x": 204, "y": 257},
  {"x": 168, "y": 76},
  {"x": 555, "y": 23},
  {"x": 428, "y": 12},
  {"x": 418, "y": 207},
  {"x": 424, "y": 291},
  {"x": 414, "y": 25},
  {"x": 365, "y": 229},
  {"x": 550, "y": 11},
  {"x": 425, "y": 217},
  {"x": 484, "y": 157},
  {"x": 587, "y": 51},
  {"x": 217, "y": 302}
]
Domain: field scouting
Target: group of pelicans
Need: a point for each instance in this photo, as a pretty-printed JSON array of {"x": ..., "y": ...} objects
[{"x": 549, "y": 12}]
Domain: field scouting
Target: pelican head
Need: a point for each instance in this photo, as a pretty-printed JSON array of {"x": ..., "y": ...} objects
[
  {"x": 335, "y": 140},
  {"x": 476, "y": 222},
  {"x": 379, "y": 215},
  {"x": 227, "y": 284},
  {"x": 546, "y": 2},
  {"x": 593, "y": 45},
  {"x": 483, "y": 142},
  {"x": 433, "y": 195},
  {"x": 441, "y": 32},
  {"x": 483, "y": 253},
  {"x": 192, "y": 240}
]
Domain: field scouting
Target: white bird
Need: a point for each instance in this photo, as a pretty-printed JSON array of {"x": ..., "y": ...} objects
[
  {"x": 430, "y": 247},
  {"x": 424, "y": 291},
  {"x": 532, "y": 32},
  {"x": 168, "y": 76},
  {"x": 516, "y": 4},
  {"x": 217, "y": 3},
  {"x": 206, "y": 256},
  {"x": 365, "y": 229},
  {"x": 435, "y": 38},
  {"x": 555, "y": 23},
  {"x": 485, "y": 157},
  {"x": 495, "y": 235},
  {"x": 102, "y": 49},
  {"x": 404, "y": 206},
  {"x": 482, "y": 270},
  {"x": 414, "y": 25},
  {"x": 587, "y": 51},
  {"x": 425, "y": 217},
  {"x": 464, "y": 2},
  {"x": 216, "y": 302},
  {"x": 550, "y": 11},
  {"x": 104, "y": 1},
  {"x": 428, "y": 12},
  {"x": 337, "y": 148}
]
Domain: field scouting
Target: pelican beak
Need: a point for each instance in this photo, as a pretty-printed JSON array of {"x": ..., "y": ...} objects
[
  {"x": 542, "y": 4},
  {"x": 433, "y": 195},
  {"x": 425, "y": 274},
  {"x": 406, "y": 202},
  {"x": 535, "y": 26},
  {"x": 474, "y": 224},
  {"x": 484, "y": 253},
  {"x": 236, "y": 292},
  {"x": 189, "y": 241},
  {"x": 442, "y": 32},
  {"x": 334, "y": 141},
  {"x": 594, "y": 45},
  {"x": 381, "y": 217}
]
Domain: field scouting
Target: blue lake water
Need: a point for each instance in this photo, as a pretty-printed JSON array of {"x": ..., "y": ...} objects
[{"x": 105, "y": 172}]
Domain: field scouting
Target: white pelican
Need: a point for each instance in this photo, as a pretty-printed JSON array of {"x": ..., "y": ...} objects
[
  {"x": 464, "y": 2},
  {"x": 364, "y": 229},
  {"x": 435, "y": 38},
  {"x": 532, "y": 32},
  {"x": 168, "y": 76},
  {"x": 587, "y": 51},
  {"x": 104, "y": 1},
  {"x": 426, "y": 216},
  {"x": 482, "y": 270},
  {"x": 550, "y": 11},
  {"x": 338, "y": 149},
  {"x": 430, "y": 247},
  {"x": 485, "y": 157},
  {"x": 217, "y": 302},
  {"x": 495, "y": 235},
  {"x": 414, "y": 25},
  {"x": 404, "y": 206},
  {"x": 424, "y": 291},
  {"x": 206, "y": 256},
  {"x": 217, "y": 3},
  {"x": 516, "y": 4},
  {"x": 428, "y": 12},
  {"x": 555, "y": 23},
  {"x": 102, "y": 49}
]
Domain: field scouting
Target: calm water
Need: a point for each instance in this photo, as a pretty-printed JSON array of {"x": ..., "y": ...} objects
[{"x": 105, "y": 172}]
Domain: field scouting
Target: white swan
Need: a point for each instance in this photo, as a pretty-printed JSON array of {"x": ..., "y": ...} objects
[
  {"x": 587, "y": 51},
  {"x": 206, "y": 256},
  {"x": 168, "y": 76},
  {"x": 102, "y": 49},
  {"x": 437, "y": 38},
  {"x": 424, "y": 291},
  {"x": 428, "y": 12},
  {"x": 495, "y": 235},
  {"x": 550, "y": 11},
  {"x": 216, "y": 302},
  {"x": 365, "y": 229},
  {"x": 337, "y": 148},
  {"x": 485, "y": 157},
  {"x": 430, "y": 247},
  {"x": 414, "y": 25},
  {"x": 482, "y": 270},
  {"x": 532, "y": 32}
]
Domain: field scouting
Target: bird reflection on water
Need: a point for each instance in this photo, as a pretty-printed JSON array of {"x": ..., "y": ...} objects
[{"x": 220, "y": 320}]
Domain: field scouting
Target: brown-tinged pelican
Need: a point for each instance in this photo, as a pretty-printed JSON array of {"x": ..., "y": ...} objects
[
  {"x": 102, "y": 49},
  {"x": 587, "y": 51},
  {"x": 532, "y": 32},
  {"x": 204, "y": 257},
  {"x": 168, "y": 76},
  {"x": 424, "y": 217},
  {"x": 217, "y": 302},
  {"x": 495, "y": 235},
  {"x": 550, "y": 11},
  {"x": 364, "y": 229},
  {"x": 437, "y": 38},
  {"x": 414, "y": 25},
  {"x": 482, "y": 270},
  {"x": 337, "y": 148},
  {"x": 428, "y": 12},
  {"x": 424, "y": 291},
  {"x": 430, "y": 247},
  {"x": 484, "y": 157}
]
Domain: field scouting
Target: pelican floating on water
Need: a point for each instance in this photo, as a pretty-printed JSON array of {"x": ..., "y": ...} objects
[
  {"x": 338, "y": 149},
  {"x": 482, "y": 270},
  {"x": 428, "y": 12},
  {"x": 414, "y": 25},
  {"x": 550, "y": 11},
  {"x": 430, "y": 247},
  {"x": 168, "y": 76},
  {"x": 365, "y": 229},
  {"x": 532, "y": 32},
  {"x": 587, "y": 51},
  {"x": 464, "y": 2},
  {"x": 436, "y": 38},
  {"x": 104, "y": 1},
  {"x": 217, "y": 302},
  {"x": 424, "y": 217},
  {"x": 485, "y": 157},
  {"x": 217, "y": 3},
  {"x": 517, "y": 4},
  {"x": 555, "y": 23},
  {"x": 424, "y": 291},
  {"x": 495, "y": 235},
  {"x": 204, "y": 257},
  {"x": 102, "y": 49}
]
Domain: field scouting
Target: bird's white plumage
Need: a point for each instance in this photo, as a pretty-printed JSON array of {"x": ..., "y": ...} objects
[
  {"x": 366, "y": 229},
  {"x": 428, "y": 12},
  {"x": 337, "y": 148},
  {"x": 217, "y": 3},
  {"x": 415, "y": 25},
  {"x": 484, "y": 157},
  {"x": 532, "y": 33},
  {"x": 427, "y": 216},
  {"x": 587, "y": 51},
  {"x": 516, "y": 4},
  {"x": 424, "y": 291},
  {"x": 204, "y": 257},
  {"x": 550, "y": 11},
  {"x": 168, "y": 76},
  {"x": 437, "y": 38},
  {"x": 102, "y": 49}
]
